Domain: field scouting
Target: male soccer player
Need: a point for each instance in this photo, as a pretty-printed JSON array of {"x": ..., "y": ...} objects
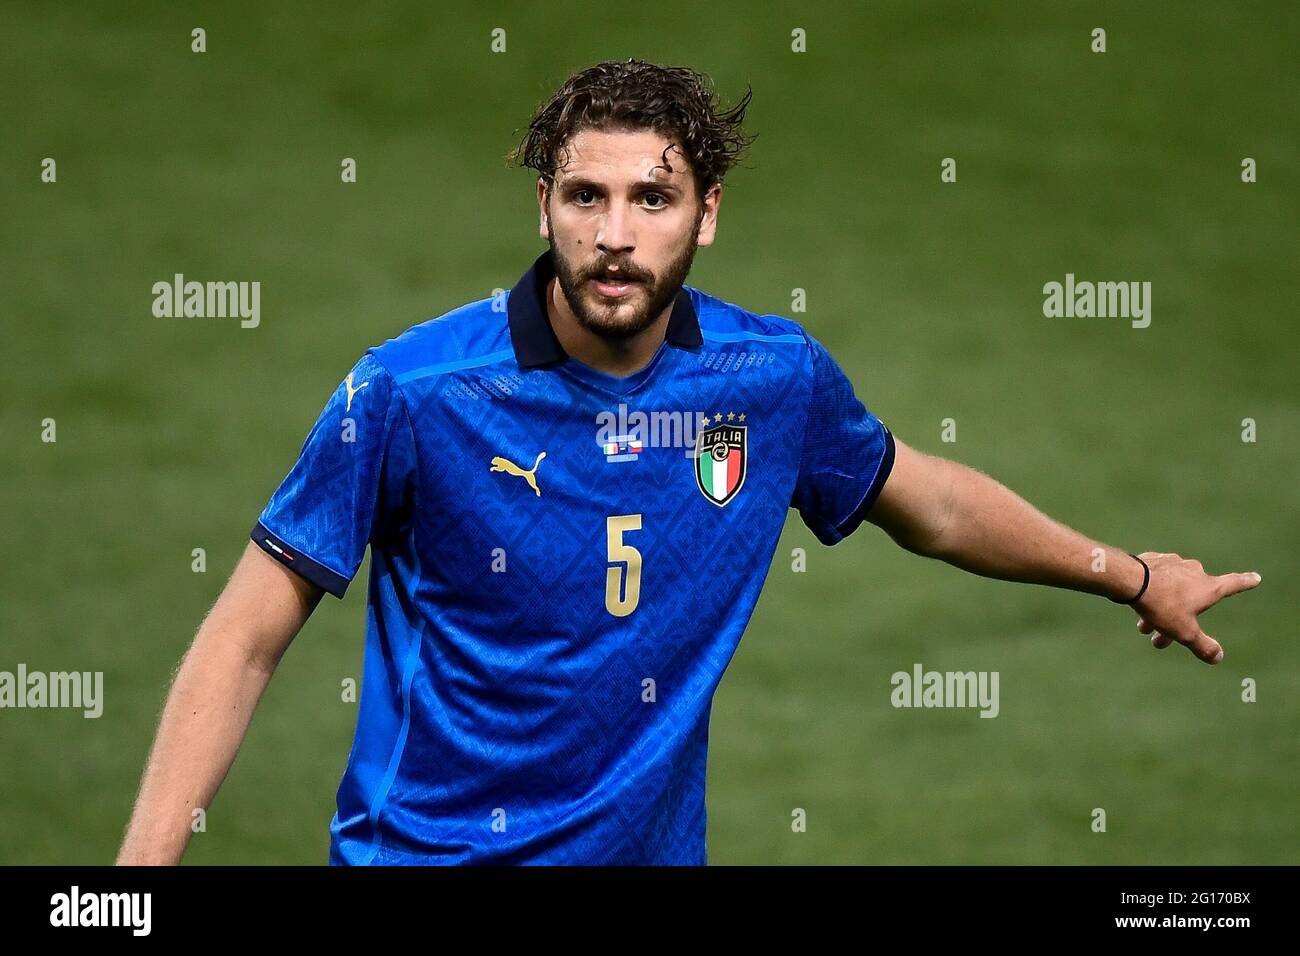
[{"x": 552, "y": 603}]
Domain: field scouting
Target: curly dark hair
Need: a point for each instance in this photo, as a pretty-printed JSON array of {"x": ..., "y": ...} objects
[{"x": 632, "y": 94}]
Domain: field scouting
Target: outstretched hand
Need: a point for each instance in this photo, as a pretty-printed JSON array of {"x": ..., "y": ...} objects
[{"x": 1179, "y": 590}]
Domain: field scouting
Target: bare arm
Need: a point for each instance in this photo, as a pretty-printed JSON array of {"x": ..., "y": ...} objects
[
  {"x": 942, "y": 509},
  {"x": 211, "y": 702}
]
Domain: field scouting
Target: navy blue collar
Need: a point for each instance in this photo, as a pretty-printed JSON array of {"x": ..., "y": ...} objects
[{"x": 533, "y": 338}]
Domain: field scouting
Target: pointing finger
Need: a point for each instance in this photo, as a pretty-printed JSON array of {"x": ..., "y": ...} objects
[{"x": 1229, "y": 584}]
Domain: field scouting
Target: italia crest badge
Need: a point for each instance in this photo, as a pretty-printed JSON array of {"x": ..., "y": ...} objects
[{"x": 721, "y": 460}]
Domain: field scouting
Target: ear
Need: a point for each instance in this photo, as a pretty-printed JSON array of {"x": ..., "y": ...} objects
[
  {"x": 709, "y": 221},
  {"x": 543, "y": 223}
]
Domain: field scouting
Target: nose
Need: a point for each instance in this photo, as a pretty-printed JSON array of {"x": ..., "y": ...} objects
[{"x": 615, "y": 236}]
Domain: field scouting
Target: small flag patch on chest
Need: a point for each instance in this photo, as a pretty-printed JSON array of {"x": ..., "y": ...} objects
[{"x": 622, "y": 448}]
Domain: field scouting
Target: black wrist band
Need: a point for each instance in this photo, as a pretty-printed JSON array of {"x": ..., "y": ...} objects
[{"x": 1146, "y": 579}]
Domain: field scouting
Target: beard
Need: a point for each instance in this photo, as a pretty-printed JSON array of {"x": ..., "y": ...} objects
[{"x": 630, "y": 315}]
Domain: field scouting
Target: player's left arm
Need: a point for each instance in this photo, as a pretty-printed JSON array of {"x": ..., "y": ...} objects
[{"x": 942, "y": 509}]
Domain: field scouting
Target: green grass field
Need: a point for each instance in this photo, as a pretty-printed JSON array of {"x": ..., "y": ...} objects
[{"x": 171, "y": 434}]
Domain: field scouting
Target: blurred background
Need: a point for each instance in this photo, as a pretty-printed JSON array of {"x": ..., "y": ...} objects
[{"x": 1123, "y": 166}]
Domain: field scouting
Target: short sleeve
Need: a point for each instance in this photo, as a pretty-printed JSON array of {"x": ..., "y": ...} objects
[
  {"x": 846, "y": 456},
  {"x": 350, "y": 486}
]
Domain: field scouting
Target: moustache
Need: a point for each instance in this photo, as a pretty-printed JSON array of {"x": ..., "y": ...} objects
[{"x": 622, "y": 274}]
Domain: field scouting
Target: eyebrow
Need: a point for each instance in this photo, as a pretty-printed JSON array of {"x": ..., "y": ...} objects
[{"x": 581, "y": 182}]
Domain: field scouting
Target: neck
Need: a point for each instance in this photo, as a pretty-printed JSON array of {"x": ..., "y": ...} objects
[{"x": 620, "y": 357}]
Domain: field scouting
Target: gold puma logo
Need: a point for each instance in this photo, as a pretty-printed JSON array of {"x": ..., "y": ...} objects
[
  {"x": 352, "y": 391},
  {"x": 530, "y": 476}
]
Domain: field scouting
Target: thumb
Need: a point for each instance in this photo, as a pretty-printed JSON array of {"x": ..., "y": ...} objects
[{"x": 1205, "y": 647}]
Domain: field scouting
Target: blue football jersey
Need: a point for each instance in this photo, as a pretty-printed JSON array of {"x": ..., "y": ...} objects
[{"x": 562, "y": 564}]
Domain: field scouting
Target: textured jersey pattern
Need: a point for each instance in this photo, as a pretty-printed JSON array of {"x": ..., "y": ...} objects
[{"x": 506, "y": 714}]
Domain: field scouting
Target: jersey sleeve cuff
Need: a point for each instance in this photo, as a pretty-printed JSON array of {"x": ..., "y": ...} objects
[
  {"x": 301, "y": 564},
  {"x": 850, "y": 524}
]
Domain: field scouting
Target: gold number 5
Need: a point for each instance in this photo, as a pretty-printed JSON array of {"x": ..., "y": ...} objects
[{"x": 615, "y": 526}]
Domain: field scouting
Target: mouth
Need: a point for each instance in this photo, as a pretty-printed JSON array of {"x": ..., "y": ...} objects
[{"x": 614, "y": 289}]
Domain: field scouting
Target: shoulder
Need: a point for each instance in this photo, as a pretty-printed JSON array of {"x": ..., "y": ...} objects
[
  {"x": 735, "y": 335},
  {"x": 722, "y": 321},
  {"x": 473, "y": 334},
  {"x": 769, "y": 341}
]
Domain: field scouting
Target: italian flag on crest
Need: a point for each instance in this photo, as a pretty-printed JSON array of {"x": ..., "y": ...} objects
[{"x": 720, "y": 462}]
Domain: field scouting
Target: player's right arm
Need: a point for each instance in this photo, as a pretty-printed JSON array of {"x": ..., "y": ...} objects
[
  {"x": 351, "y": 486},
  {"x": 211, "y": 702}
]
